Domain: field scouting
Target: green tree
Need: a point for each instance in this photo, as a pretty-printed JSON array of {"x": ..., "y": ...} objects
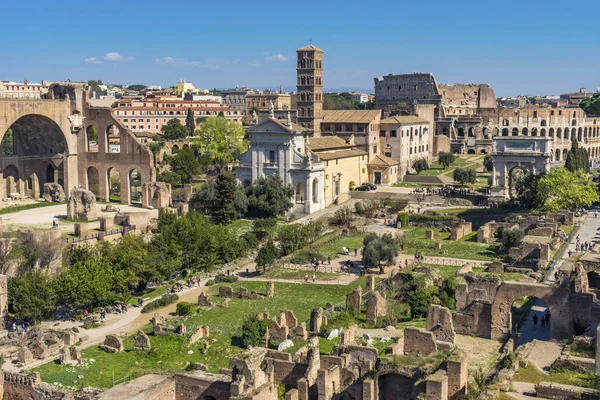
[
  {"x": 220, "y": 141},
  {"x": 225, "y": 198},
  {"x": 511, "y": 238},
  {"x": 464, "y": 175},
  {"x": 264, "y": 228},
  {"x": 591, "y": 105},
  {"x": 190, "y": 123},
  {"x": 528, "y": 192},
  {"x": 267, "y": 255},
  {"x": 185, "y": 164},
  {"x": 446, "y": 158},
  {"x": 173, "y": 130},
  {"x": 136, "y": 88},
  {"x": 8, "y": 146},
  {"x": 488, "y": 163},
  {"x": 171, "y": 177},
  {"x": 378, "y": 249},
  {"x": 269, "y": 197},
  {"x": 32, "y": 297},
  {"x": 253, "y": 331},
  {"x": 420, "y": 164},
  {"x": 563, "y": 189}
]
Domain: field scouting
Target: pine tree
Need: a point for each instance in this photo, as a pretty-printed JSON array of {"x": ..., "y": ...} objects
[
  {"x": 571, "y": 162},
  {"x": 190, "y": 122}
]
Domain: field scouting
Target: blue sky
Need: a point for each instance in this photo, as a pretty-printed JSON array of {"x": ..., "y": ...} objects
[{"x": 518, "y": 47}]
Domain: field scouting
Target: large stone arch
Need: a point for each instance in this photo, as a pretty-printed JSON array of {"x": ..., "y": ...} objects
[{"x": 555, "y": 297}]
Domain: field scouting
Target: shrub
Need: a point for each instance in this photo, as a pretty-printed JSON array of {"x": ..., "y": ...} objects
[
  {"x": 403, "y": 219},
  {"x": 511, "y": 238},
  {"x": 264, "y": 227},
  {"x": 367, "y": 208},
  {"x": 342, "y": 217},
  {"x": 430, "y": 218},
  {"x": 253, "y": 331},
  {"x": 185, "y": 308},
  {"x": 165, "y": 300},
  {"x": 250, "y": 241},
  {"x": 420, "y": 164},
  {"x": 226, "y": 278},
  {"x": 210, "y": 282},
  {"x": 395, "y": 205},
  {"x": 305, "y": 257}
]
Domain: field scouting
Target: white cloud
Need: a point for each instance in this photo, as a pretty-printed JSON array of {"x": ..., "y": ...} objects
[
  {"x": 113, "y": 57},
  {"x": 93, "y": 60},
  {"x": 277, "y": 57},
  {"x": 168, "y": 60}
]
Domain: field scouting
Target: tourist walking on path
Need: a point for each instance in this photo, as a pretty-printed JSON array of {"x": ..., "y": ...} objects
[{"x": 314, "y": 278}]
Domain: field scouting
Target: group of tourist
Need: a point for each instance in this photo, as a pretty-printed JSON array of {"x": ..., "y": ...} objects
[
  {"x": 314, "y": 278},
  {"x": 25, "y": 327},
  {"x": 545, "y": 319},
  {"x": 347, "y": 251},
  {"x": 391, "y": 222}
]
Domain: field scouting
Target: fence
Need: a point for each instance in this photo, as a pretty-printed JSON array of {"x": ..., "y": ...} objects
[{"x": 96, "y": 235}]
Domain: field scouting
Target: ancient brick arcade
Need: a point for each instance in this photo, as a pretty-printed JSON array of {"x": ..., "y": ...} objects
[{"x": 63, "y": 140}]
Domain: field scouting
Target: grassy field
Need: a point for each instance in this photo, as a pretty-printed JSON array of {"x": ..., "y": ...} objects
[
  {"x": 465, "y": 248},
  {"x": 241, "y": 226},
  {"x": 22, "y": 207},
  {"x": 170, "y": 353},
  {"x": 448, "y": 271},
  {"x": 335, "y": 247},
  {"x": 281, "y": 273},
  {"x": 533, "y": 375}
]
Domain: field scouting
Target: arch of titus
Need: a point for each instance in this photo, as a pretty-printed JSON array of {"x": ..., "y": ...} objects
[
  {"x": 51, "y": 144},
  {"x": 517, "y": 155}
]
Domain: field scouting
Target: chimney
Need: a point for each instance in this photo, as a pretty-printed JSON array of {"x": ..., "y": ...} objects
[{"x": 280, "y": 89}]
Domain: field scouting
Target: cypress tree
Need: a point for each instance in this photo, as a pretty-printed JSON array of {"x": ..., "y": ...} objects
[
  {"x": 571, "y": 162},
  {"x": 190, "y": 123}
]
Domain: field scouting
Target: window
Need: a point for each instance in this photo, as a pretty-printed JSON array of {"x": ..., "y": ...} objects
[
  {"x": 393, "y": 134},
  {"x": 535, "y": 114},
  {"x": 382, "y": 134},
  {"x": 375, "y": 149},
  {"x": 271, "y": 156}
]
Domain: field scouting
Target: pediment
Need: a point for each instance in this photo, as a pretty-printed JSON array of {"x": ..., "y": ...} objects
[{"x": 270, "y": 125}]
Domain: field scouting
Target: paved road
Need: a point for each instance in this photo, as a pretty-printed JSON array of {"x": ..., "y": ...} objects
[
  {"x": 528, "y": 332},
  {"x": 588, "y": 231}
]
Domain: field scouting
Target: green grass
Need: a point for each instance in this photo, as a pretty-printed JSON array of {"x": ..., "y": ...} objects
[
  {"x": 151, "y": 294},
  {"x": 448, "y": 271},
  {"x": 533, "y": 375},
  {"x": 241, "y": 226},
  {"x": 169, "y": 353},
  {"x": 334, "y": 248},
  {"x": 282, "y": 273},
  {"x": 464, "y": 248},
  {"x": 503, "y": 396},
  {"x": 23, "y": 207}
]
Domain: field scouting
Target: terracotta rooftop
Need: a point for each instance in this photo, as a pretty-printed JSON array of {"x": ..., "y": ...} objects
[
  {"x": 344, "y": 153},
  {"x": 382, "y": 161},
  {"x": 350, "y": 116},
  {"x": 327, "y": 143},
  {"x": 310, "y": 47},
  {"x": 404, "y": 119}
]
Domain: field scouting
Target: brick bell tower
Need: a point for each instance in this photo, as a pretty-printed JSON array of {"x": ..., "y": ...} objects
[{"x": 309, "y": 97}]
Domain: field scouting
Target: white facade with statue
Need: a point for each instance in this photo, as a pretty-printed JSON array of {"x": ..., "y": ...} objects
[
  {"x": 280, "y": 148},
  {"x": 517, "y": 156}
]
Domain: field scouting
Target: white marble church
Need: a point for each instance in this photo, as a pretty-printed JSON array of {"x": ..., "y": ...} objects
[{"x": 281, "y": 147}]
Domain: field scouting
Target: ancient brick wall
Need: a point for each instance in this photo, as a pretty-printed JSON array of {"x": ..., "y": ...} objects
[
  {"x": 288, "y": 372},
  {"x": 550, "y": 390},
  {"x": 418, "y": 342},
  {"x": 189, "y": 387}
]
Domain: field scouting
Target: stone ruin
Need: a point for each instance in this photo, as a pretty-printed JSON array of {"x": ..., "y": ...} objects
[
  {"x": 354, "y": 300},
  {"x": 462, "y": 229},
  {"x": 112, "y": 344},
  {"x": 142, "y": 341},
  {"x": 161, "y": 327},
  {"x": 42, "y": 343},
  {"x": 203, "y": 300},
  {"x": 376, "y": 306},
  {"x": 370, "y": 283},
  {"x": 81, "y": 205},
  {"x": 270, "y": 289},
  {"x": 439, "y": 321},
  {"x": 201, "y": 332},
  {"x": 71, "y": 355},
  {"x": 317, "y": 320},
  {"x": 158, "y": 194},
  {"x": 227, "y": 292},
  {"x": 53, "y": 192}
]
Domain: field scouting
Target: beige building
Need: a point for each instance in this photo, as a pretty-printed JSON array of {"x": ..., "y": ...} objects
[
  {"x": 345, "y": 166},
  {"x": 405, "y": 139},
  {"x": 25, "y": 90},
  {"x": 383, "y": 170},
  {"x": 263, "y": 100},
  {"x": 149, "y": 115},
  {"x": 361, "y": 127}
]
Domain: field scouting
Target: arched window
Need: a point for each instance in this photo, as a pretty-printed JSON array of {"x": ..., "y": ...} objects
[{"x": 515, "y": 132}]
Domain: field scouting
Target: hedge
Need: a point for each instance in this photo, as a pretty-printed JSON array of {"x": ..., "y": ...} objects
[
  {"x": 226, "y": 278},
  {"x": 165, "y": 300},
  {"x": 427, "y": 218}
]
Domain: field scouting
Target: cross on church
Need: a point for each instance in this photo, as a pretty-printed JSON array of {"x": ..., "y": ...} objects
[{"x": 310, "y": 41}]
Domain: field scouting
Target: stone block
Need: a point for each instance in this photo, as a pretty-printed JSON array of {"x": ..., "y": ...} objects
[
  {"x": 82, "y": 229},
  {"x": 24, "y": 355},
  {"x": 203, "y": 300},
  {"x": 226, "y": 291},
  {"x": 418, "y": 342},
  {"x": 545, "y": 232},
  {"x": 81, "y": 205},
  {"x": 142, "y": 341},
  {"x": 348, "y": 336},
  {"x": 439, "y": 321},
  {"x": 107, "y": 224},
  {"x": 53, "y": 192},
  {"x": 429, "y": 234},
  {"x": 437, "y": 386},
  {"x": 200, "y": 332},
  {"x": 112, "y": 344},
  {"x": 316, "y": 319},
  {"x": 354, "y": 300},
  {"x": 376, "y": 307},
  {"x": 270, "y": 289},
  {"x": 496, "y": 266},
  {"x": 370, "y": 283}
]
